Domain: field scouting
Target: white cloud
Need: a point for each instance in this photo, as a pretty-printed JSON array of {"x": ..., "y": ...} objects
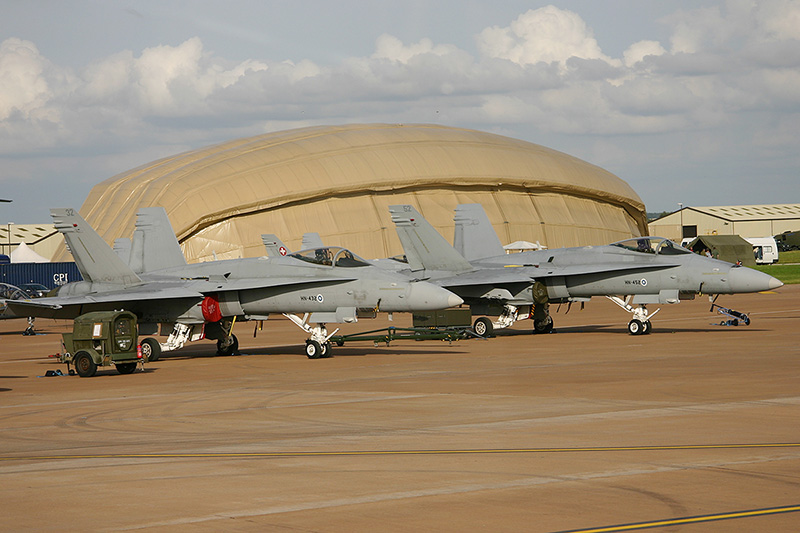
[
  {"x": 544, "y": 35},
  {"x": 393, "y": 49},
  {"x": 24, "y": 87},
  {"x": 639, "y": 50},
  {"x": 546, "y": 62}
]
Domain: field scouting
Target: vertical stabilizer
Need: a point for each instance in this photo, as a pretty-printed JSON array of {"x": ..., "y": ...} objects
[
  {"x": 312, "y": 241},
  {"x": 154, "y": 245},
  {"x": 122, "y": 247},
  {"x": 274, "y": 246},
  {"x": 425, "y": 248},
  {"x": 95, "y": 259},
  {"x": 475, "y": 237}
]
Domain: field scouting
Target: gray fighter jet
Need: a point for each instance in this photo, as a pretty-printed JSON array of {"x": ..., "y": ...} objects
[
  {"x": 325, "y": 285},
  {"x": 633, "y": 273}
]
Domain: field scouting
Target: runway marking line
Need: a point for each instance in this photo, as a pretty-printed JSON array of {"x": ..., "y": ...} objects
[
  {"x": 237, "y": 455},
  {"x": 688, "y": 520}
]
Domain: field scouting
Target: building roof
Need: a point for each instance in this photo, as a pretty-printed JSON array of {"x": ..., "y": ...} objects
[
  {"x": 736, "y": 213},
  {"x": 337, "y": 180}
]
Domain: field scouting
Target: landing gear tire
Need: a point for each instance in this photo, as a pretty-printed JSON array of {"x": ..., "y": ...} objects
[
  {"x": 313, "y": 350},
  {"x": 151, "y": 349},
  {"x": 85, "y": 365},
  {"x": 543, "y": 326},
  {"x": 635, "y": 327},
  {"x": 126, "y": 368},
  {"x": 230, "y": 349},
  {"x": 483, "y": 327},
  {"x": 648, "y": 327}
]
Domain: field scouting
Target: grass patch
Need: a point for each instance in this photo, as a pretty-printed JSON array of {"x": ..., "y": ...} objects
[
  {"x": 789, "y": 257},
  {"x": 787, "y": 269},
  {"x": 789, "y": 274}
]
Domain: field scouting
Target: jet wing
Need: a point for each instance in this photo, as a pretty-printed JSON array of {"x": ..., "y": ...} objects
[
  {"x": 122, "y": 297},
  {"x": 193, "y": 291}
]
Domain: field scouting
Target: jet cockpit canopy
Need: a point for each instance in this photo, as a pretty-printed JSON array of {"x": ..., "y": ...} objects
[
  {"x": 330, "y": 256},
  {"x": 652, "y": 245}
]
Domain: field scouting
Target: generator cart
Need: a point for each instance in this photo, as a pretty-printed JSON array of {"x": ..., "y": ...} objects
[{"x": 103, "y": 338}]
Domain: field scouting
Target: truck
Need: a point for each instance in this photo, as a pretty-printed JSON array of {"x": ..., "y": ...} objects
[
  {"x": 765, "y": 249},
  {"x": 103, "y": 338},
  {"x": 788, "y": 240}
]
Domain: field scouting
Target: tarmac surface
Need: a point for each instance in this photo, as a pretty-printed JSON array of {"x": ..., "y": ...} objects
[{"x": 695, "y": 427}]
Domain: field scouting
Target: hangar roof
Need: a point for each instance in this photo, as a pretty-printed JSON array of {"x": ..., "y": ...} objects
[
  {"x": 252, "y": 176},
  {"x": 736, "y": 213}
]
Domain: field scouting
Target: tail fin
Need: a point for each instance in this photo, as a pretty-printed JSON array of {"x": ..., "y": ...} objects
[
  {"x": 122, "y": 247},
  {"x": 95, "y": 259},
  {"x": 424, "y": 247},
  {"x": 312, "y": 241},
  {"x": 154, "y": 245},
  {"x": 274, "y": 246},
  {"x": 475, "y": 237}
]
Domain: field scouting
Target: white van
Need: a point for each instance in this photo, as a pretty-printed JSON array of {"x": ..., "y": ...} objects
[{"x": 765, "y": 249}]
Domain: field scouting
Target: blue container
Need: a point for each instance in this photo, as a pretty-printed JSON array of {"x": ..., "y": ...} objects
[{"x": 51, "y": 275}]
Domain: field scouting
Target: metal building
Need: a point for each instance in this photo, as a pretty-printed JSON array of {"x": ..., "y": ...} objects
[
  {"x": 339, "y": 181},
  {"x": 744, "y": 220}
]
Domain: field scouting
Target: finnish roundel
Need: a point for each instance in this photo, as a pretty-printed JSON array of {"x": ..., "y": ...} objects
[
  {"x": 282, "y": 250},
  {"x": 319, "y": 298},
  {"x": 644, "y": 282}
]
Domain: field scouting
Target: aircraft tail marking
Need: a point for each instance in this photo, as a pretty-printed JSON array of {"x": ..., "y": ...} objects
[{"x": 274, "y": 246}]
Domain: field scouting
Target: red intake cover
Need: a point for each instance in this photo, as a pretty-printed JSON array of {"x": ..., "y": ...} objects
[{"x": 210, "y": 308}]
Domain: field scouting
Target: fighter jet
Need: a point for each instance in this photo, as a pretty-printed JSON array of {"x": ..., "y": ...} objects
[
  {"x": 632, "y": 273},
  {"x": 325, "y": 285}
]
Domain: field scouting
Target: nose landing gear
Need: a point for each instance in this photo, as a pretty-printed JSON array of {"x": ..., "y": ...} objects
[
  {"x": 319, "y": 344},
  {"x": 640, "y": 324}
]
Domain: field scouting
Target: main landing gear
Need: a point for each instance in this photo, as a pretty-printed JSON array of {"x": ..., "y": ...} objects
[
  {"x": 319, "y": 345},
  {"x": 640, "y": 324}
]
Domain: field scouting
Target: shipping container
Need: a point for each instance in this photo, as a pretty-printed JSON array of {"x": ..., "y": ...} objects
[{"x": 51, "y": 275}]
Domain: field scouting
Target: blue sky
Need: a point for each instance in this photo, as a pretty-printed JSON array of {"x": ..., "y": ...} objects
[{"x": 694, "y": 102}]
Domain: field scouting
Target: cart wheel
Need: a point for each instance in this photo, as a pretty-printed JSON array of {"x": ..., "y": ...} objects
[
  {"x": 151, "y": 349},
  {"x": 126, "y": 368},
  {"x": 313, "y": 349},
  {"x": 84, "y": 365},
  {"x": 483, "y": 327}
]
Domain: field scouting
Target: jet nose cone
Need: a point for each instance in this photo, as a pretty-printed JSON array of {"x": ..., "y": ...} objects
[
  {"x": 427, "y": 296},
  {"x": 743, "y": 279}
]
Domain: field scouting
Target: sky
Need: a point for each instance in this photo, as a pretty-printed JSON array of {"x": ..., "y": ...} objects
[{"x": 693, "y": 102}]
